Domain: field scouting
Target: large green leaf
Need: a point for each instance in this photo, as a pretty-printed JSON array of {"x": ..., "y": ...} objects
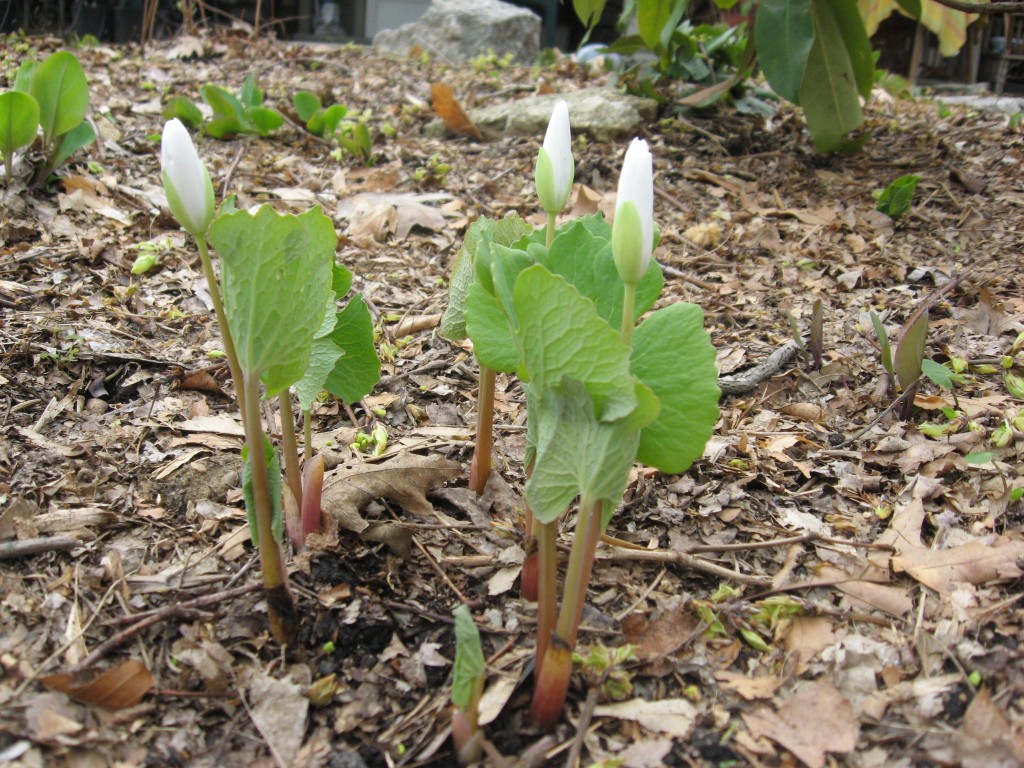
[
  {"x": 505, "y": 231},
  {"x": 561, "y": 336},
  {"x": 576, "y": 453},
  {"x": 357, "y": 371},
  {"x": 486, "y": 324},
  {"x": 584, "y": 258},
  {"x": 183, "y": 108},
  {"x": 784, "y": 33},
  {"x": 306, "y": 104},
  {"x": 323, "y": 356},
  {"x": 264, "y": 120},
  {"x": 657, "y": 19},
  {"x": 222, "y": 101},
  {"x": 60, "y": 87},
  {"x": 469, "y": 666},
  {"x": 673, "y": 355},
  {"x": 19, "y": 121},
  {"x": 588, "y": 11},
  {"x": 276, "y": 274},
  {"x": 82, "y": 135},
  {"x": 856, "y": 42},
  {"x": 829, "y": 94},
  {"x": 273, "y": 463}
]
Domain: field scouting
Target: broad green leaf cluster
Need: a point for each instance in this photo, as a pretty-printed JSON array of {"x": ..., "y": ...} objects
[
  {"x": 550, "y": 315},
  {"x": 49, "y": 97},
  {"x": 353, "y": 136},
  {"x": 233, "y": 115}
]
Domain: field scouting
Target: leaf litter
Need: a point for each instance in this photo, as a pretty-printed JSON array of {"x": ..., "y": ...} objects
[{"x": 898, "y": 560}]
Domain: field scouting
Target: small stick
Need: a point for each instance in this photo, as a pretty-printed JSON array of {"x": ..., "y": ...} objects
[
  {"x": 185, "y": 610},
  {"x": 440, "y": 572},
  {"x": 10, "y": 550},
  {"x": 689, "y": 561},
  {"x": 586, "y": 715}
]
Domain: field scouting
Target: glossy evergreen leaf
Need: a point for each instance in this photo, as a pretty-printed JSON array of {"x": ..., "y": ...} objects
[
  {"x": 784, "y": 33},
  {"x": 829, "y": 94}
]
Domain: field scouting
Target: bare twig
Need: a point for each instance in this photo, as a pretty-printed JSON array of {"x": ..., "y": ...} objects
[
  {"x": 586, "y": 715},
  {"x": 10, "y": 550}
]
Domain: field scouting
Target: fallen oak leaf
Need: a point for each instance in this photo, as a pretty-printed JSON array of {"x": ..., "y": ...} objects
[
  {"x": 447, "y": 107},
  {"x": 404, "y": 479},
  {"x": 119, "y": 687}
]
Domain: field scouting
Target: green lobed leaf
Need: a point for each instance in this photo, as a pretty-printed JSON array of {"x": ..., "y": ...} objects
[
  {"x": 357, "y": 371},
  {"x": 60, "y": 87},
  {"x": 584, "y": 258},
  {"x": 910, "y": 352},
  {"x": 561, "y": 336},
  {"x": 306, "y": 104},
  {"x": 493, "y": 343},
  {"x": 273, "y": 463},
  {"x": 673, "y": 355},
  {"x": 276, "y": 275},
  {"x": 19, "y": 121},
  {"x": 184, "y": 109},
  {"x": 323, "y": 356},
  {"x": 828, "y": 93},
  {"x": 470, "y": 665},
  {"x": 576, "y": 453},
  {"x": 784, "y": 33},
  {"x": 505, "y": 231},
  {"x": 341, "y": 280}
]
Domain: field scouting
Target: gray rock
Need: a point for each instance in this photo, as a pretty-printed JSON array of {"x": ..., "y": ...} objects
[
  {"x": 603, "y": 114},
  {"x": 457, "y": 31}
]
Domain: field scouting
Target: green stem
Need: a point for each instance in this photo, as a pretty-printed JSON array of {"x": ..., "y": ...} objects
[
  {"x": 547, "y": 587},
  {"x": 222, "y": 320},
  {"x": 307, "y": 435},
  {"x": 577, "y": 576},
  {"x": 628, "y": 310},
  {"x": 550, "y": 229},
  {"x": 480, "y": 468},
  {"x": 290, "y": 446},
  {"x": 280, "y": 604}
]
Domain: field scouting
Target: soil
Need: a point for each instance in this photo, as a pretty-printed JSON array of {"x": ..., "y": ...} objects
[{"x": 834, "y": 582}]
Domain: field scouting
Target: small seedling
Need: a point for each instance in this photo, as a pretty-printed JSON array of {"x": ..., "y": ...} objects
[
  {"x": 470, "y": 673},
  {"x": 896, "y": 199},
  {"x": 319, "y": 120},
  {"x": 53, "y": 97},
  {"x": 232, "y": 115}
]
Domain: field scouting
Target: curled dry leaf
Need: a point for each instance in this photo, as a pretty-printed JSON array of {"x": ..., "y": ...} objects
[
  {"x": 119, "y": 687},
  {"x": 451, "y": 113},
  {"x": 404, "y": 479}
]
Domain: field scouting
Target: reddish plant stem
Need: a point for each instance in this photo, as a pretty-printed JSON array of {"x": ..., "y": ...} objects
[
  {"x": 581, "y": 565},
  {"x": 222, "y": 321},
  {"x": 280, "y": 604},
  {"x": 547, "y": 587},
  {"x": 480, "y": 468}
]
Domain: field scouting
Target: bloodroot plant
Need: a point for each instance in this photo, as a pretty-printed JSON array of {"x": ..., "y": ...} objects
[
  {"x": 275, "y": 306},
  {"x": 560, "y": 308}
]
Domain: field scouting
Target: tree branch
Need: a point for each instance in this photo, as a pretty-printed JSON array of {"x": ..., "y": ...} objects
[{"x": 1016, "y": 7}]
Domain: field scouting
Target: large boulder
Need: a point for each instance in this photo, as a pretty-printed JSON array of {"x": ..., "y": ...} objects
[
  {"x": 603, "y": 114},
  {"x": 458, "y": 31}
]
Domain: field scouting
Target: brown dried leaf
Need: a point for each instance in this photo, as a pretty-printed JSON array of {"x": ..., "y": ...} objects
[
  {"x": 672, "y": 716},
  {"x": 451, "y": 113},
  {"x": 749, "y": 688},
  {"x": 119, "y": 687},
  {"x": 404, "y": 479},
  {"x": 661, "y": 635},
  {"x": 816, "y": 720}
]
